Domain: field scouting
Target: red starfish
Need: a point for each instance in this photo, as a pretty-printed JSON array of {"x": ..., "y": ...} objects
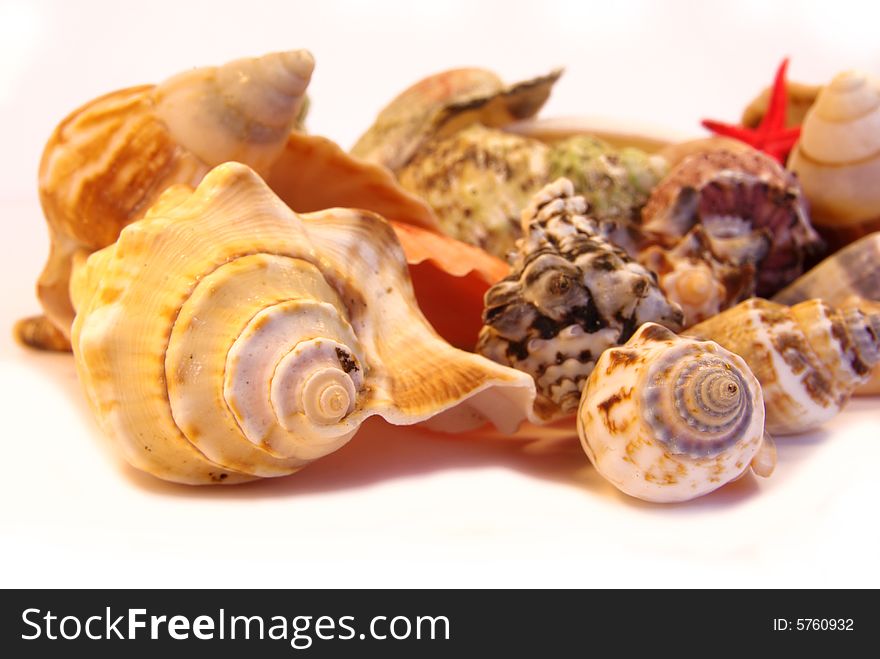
[{"x": 771, "y": 136}]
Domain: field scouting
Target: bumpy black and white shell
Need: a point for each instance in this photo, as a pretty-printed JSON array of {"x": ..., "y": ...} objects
[
  {"x": 666, "y": 418},
  {"x": 571, "y": 295}
]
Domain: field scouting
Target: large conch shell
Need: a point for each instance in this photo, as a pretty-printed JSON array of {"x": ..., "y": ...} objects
[
  {"x": 665, "y": 418},
  {"x": 838, "y": 158},
  {"x": 109, "y": 160},
  {"x": 224, "y": 338},
  {"x": 809, "y": 358},
  {"x": 444, "y": 103},
  {"x": 571, "y": 295}
]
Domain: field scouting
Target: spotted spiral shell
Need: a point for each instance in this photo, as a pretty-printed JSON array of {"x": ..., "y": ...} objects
[
  {"x": 664, "y": 418},
  {"x": 224, "y": 338}
]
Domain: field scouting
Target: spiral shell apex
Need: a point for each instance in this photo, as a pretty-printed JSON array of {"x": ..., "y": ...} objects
[
  {"x": 109, "y": 160},
  {"x": 838, "y": 157},
  {"x": 224, "y": 338},
  {"x": 809, "y": 358},
  {"x": 666, "y": 419},
  {"x": 242, "y": 110}
]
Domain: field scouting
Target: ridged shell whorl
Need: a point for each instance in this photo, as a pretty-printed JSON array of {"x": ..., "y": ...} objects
[
  {"x": 224, "y": 338},
  {"x": 809, "y": 358},
  {"x": 571, "y": 295},
  {"x": 665, "y": 418},
  {"x": 838, "y": 156}
]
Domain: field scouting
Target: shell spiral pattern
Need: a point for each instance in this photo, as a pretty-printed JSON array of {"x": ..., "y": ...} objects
[
  {"x": 224, "y": 338},
  {"x": 838, "y": 157},
  {"x": 809, "y": 358},
  {"x": 665, "y": 418}
]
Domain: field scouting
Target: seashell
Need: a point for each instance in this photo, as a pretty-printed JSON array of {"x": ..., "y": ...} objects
[
  {"x": 616, "y": 182},
  {"x": 699, "y": 275},
  {"x": 224, "y": 338},
  {"x": 477, "y": 181},
  {"x": 854, "y": 271},
  {"x": 800, "y": 98},
  {"x": 571, "y": 294},
  {"x": 837, "y": 158},
  {"x": 450, "y": 279},
  {"x": 665, "y": 418},
  {"x": 809, "y": 358},
  {"x": 849, "y": 277},
  {"x": 444, "y": 103},
  {"x": 741, "y": 198},
  {"x": 108, "y": 161}
]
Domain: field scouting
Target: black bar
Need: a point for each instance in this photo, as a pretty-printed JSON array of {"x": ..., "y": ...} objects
[{"x": 507, "y": 622}]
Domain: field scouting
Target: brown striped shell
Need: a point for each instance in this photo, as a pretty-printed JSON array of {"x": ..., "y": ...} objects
[{"x": 809, "y": 358}]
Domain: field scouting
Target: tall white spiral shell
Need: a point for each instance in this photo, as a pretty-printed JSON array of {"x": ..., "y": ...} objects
[
  {"x": 838, "y": 156},
  {"x": 664, "y": 418},
  {"x": 224, "y": 337}
]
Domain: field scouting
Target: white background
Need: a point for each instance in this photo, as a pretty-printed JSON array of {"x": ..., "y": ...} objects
[{"x": 394, "y": 507}]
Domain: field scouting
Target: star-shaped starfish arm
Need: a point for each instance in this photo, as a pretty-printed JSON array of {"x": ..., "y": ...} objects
[{"x": 771, "y": 136}]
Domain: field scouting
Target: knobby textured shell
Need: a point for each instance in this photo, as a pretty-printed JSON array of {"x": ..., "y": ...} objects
[
  {"x": 838, "y": 157},
  {"x": 665, "y": 418},
  {"x": 571, "y": 294},
  {"x": 444, "y": 103},
  {"x": 224, "y": 337},
  {"x": 809, "y": 358},
  {"x": 108, "y": 161}
]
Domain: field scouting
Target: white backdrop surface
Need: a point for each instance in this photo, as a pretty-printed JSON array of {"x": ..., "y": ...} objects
[{"x": 397, "y": 507}]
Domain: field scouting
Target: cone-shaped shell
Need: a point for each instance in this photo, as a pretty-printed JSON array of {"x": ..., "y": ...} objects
[
  {"x": 809, "y": 358},
  {"x": 852, "y": 272},
  {"x": 444, "y": 103},
  {"x": 242, "y": 110},
  {"x": 224, "y": 337},
  {"x": 108, "y": 161},
  {"x": 838, "y": 157},
  {"x": 665, "y": 419}
]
